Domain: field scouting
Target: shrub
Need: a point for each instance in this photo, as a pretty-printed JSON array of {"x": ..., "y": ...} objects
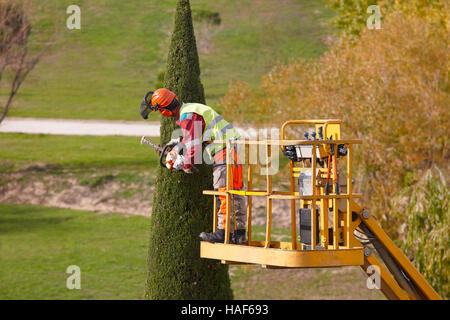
[
  {"x": 427, "y": 241},
  {"x": 351, "y": 15},
  {"x": 207, "y": 16}
]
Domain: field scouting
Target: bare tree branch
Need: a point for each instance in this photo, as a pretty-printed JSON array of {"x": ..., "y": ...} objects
[{"x": 15, "y": 56}]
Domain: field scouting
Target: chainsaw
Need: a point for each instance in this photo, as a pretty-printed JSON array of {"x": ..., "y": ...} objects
[{"x": 169, "y": 156}]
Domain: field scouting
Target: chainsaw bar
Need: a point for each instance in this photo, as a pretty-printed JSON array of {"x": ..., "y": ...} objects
[{"x": 144, "y": 140}]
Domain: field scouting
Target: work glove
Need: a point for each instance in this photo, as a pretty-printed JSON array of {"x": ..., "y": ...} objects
[
  {"x": 174, "y": 161},
  {"x": 174, "y": 142},
  {"x": 191, "y": 170},
  {"x": 179, "y": 163}
]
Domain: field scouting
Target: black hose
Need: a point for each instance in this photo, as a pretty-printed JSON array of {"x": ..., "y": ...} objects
[
  {"x": 398, "y": 273},
  {"x": 163, "y": 154}
]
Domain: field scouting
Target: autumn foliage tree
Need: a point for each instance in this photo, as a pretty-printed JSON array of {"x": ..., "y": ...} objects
[
  {"x": 390, "y": 87},
  {"x": 391, "y": 90},
  {"x": 352, "y": 15}
]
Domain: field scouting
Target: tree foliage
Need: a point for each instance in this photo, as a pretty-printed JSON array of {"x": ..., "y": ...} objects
[
  {"x": 351, "y": 15},
  {"x": 180, "y": 210}
]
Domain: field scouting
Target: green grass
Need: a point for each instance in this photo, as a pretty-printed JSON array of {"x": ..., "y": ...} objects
[
  {"x": 75, "y": 152},
  {"x": 103, "y": 70},
  {"x": 348, "y": 283},
  {"x": 278, "y": 234},
  {"x": 39, "y": 243}
]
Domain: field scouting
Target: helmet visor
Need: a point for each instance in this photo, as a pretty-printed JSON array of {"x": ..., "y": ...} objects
[
  {"x": 146, "y": 105},
  {"x": 144, "y": 110}
]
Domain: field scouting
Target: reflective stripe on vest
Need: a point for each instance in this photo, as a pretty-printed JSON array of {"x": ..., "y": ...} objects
[{"x": 216, "y": 127}]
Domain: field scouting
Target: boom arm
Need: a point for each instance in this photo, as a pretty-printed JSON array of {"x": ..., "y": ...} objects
[{"x": 404, "y": 281}]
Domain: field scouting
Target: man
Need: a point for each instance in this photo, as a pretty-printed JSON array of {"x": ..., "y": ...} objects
[{"x": 200, "y": 123}]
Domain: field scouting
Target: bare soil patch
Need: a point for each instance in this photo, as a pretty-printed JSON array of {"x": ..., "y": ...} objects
[
  {"x": 104, "y": 191},
  {"x": 98, "y": 192}
]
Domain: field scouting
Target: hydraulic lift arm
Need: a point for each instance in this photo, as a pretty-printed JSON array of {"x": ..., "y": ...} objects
[
  {"x": 388, "y": 285},
  {"x": 407, "y": 278}
]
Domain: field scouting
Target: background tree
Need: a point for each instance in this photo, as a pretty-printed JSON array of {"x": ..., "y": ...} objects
[
  {"x": 16, "y": 61},
  {"x": 180, "y": 211},
  {"x": 351, "y": 15},
  {"x": 390, "y": 88}
]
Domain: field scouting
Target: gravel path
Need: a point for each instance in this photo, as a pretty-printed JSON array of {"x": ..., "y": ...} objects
[
  {"x": 80, "y": 127},
  {"x": 91, "y": 127}
]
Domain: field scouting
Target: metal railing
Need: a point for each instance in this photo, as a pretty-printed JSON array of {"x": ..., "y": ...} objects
[{"x": 318, "y": 198}]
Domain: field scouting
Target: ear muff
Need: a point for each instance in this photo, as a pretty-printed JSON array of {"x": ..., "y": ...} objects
[
  {"x": 173, "y": 105},
  {"x": 168, "y": 111}
]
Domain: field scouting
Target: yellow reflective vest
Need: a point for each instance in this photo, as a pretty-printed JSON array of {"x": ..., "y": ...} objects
[{"x": 216, "y": 127}]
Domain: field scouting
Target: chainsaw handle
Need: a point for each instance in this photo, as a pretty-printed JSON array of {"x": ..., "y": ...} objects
[{"x": 163, "y": 153}]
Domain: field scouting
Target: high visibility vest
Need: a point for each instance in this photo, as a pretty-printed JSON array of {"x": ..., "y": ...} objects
[{"x": 216, "y": 127}]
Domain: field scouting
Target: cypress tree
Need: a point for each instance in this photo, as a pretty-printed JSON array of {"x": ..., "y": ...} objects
[{"x": 180, "y": 210}]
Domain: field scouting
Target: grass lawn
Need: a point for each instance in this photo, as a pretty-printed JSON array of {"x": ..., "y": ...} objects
[
  {"x": 39, "y": 243},
  {"x": 75, "y": 152},
  {"x": 347, "y": 283},
  {"x": 103, "y": 70}
]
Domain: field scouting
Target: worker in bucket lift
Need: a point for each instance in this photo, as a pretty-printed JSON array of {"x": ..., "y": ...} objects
[{"x": 200, "y": 123}]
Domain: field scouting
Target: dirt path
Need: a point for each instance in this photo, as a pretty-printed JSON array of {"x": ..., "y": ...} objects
[
  {"x": 84, "y": 127},
  {"x": 80, "y": 127}
]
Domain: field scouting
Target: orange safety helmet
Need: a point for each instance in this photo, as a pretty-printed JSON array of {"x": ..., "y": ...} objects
[{"x": 162, "y": 100}]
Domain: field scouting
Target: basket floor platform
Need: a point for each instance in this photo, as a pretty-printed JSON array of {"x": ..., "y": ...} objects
[{"x": 277, "y": 257}]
